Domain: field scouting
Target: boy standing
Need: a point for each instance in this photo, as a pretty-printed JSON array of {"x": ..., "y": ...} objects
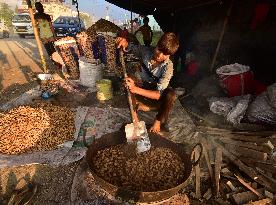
[
  {"x": 146, "y": 32},
  {"x": 156, "y": 72}
]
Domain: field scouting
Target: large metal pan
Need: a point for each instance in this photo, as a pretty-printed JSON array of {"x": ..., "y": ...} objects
[{"x": 117, "y": 138}]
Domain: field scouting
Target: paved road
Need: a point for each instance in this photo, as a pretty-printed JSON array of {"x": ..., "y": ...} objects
[{"x": 19, "y": 62}]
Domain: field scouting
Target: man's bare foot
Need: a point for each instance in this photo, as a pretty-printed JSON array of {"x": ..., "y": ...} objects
[{"x": 155, "y": 128}]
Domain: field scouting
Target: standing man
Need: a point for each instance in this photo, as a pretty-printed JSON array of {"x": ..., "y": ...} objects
[
  {"x": 46, "y": 30},
  {"x": 155, "y": 74},
  {"x": 146, "y": 32}
]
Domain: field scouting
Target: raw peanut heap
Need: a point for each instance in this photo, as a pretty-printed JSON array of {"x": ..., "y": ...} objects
[
  {"x": 43, "y": 127},
  {"x": 154, "y": 170}
]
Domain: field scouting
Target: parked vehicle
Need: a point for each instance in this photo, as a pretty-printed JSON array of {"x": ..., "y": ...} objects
[
  {"x": 4, "y": 31},
  {"x": 67, "y": 26},
  {"x": 22, "y": 25}
]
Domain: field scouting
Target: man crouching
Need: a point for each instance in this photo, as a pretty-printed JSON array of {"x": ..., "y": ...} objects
[{"x": 155, "y": 73}]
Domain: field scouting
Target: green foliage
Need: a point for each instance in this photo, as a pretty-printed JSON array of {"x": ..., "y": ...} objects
[
  {"x": 156, "y": 36},
  {"x": 86, "y": 19},
  {"x": 6, "y": 14}
]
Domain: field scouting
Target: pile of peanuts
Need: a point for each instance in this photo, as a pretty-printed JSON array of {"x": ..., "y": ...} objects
[
  {"x": 42, "y": 127},
  {"x": 154, "y": 170},
  {"x": 103, "y": 25}
]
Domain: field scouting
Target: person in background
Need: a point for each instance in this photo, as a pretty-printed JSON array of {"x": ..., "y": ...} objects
[
  {"x": 47, "y": 36},
  {"x": 153, "y": 91},
  {"x": 124, "y": 33},
  {"x": 46, "y": 30},
  {"x": 146, "y": 32}
]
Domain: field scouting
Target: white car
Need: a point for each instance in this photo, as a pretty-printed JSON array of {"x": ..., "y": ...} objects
[
  {"x": 22, "y": 25},
  {"x": 4, "y": 31}
]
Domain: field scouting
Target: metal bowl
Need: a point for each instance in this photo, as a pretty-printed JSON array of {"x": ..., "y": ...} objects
[{"x": 117, "y": 138}]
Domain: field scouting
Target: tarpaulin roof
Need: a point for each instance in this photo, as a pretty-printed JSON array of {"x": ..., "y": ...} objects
[{"x": 148, "y": 6}]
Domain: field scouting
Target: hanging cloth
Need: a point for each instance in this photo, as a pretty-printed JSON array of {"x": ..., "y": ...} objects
[{"x": 260, "y": 14}]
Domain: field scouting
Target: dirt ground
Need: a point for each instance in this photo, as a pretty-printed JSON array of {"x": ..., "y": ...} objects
[{"x": 54, "y": 183}]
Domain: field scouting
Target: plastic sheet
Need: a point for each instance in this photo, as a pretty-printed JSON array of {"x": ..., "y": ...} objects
[
  {"x": 233, "y": 109},
  {"x": 271, "y": 91},
  {"x": 262, "y": 110}
]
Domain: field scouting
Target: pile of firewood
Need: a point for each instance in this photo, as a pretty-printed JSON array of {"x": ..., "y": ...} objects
[{"x": 241, "y": 166}]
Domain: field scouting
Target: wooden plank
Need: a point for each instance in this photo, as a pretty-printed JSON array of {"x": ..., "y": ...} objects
[
  {"x": 220, "y": 201},
  {"x": 271, "y": 168},
  {"x": 265, "y": 175},
  {"x": 218, "y": 161},
  {"x": 246, "y": 169},
  {"x": 208, "y": 194},
  {"x": 244, "y": 133},
  {"x": 250, "y": 145},
  {"x": 244, "y": 138},
  {"x": 206, "y": 156},
  {"x": 197, "y": 175},
  {"x": 231, "y": 186},
  {"x": 241, "y": 180},
  {"x": 245, "y": 197},
  {"x": 266, "y": 201},
  {"x": 253, "y": 161},
  {"x": 245, "y": 152}
]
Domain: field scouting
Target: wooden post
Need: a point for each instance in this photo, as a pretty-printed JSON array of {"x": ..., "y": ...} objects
[
  {"x": 221, "y": 35},
  {"x": 197, "y": 175},
  {"x": 37, "y": 38},
  {"x": 131, "y": 23},
  {"x": 206, "y": 155},
  {"x": 218, "y": 162}
]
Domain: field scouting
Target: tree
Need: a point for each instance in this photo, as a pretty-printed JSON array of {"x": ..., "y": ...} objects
[
  {"x": 86, "y": 19},
  {"x": 6, "y": 14}
]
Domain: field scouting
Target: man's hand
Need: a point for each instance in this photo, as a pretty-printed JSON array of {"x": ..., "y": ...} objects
[
  {"x": 122, "y": 43},
  {"x": 130, "y": 84}
]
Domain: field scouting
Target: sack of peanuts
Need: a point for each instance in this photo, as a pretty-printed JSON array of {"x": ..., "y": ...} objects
[
  {"x": 109, "y": 53},
  {"x": 88, "y": 45},
  {"x": 69, "y": 52},
  {"x": 107, "y": 32}
]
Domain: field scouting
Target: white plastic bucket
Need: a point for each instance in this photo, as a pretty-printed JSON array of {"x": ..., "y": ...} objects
[{"x": 90, "y": 73}]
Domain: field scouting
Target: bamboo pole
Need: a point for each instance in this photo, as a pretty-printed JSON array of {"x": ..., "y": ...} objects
[
  {"x": 131, "y": 17},
  {"x": 37, "y": 38},
  {"x": 221, "y": 36}
]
